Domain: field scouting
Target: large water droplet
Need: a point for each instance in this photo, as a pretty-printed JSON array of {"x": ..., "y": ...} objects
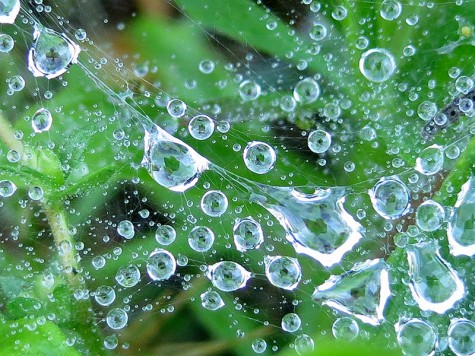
[
  {"x": 249, "y": 90},
  {"x": 170, "y": 162},
  {"x": 345, "y": 329},
  {"x": 306, "y": 91},
  {"x": 283, "y": 272},
  {"x": 117, "y": 318},
  {"x": 214, "y": 203},
  {"x": 462, "y": 337},
  {"x": 161, "y": 265},
  {"x": 248, "y": 234},
  {"x": 429, "y": 215},
  {"x": 377, "y": 65},
  {"x": 461, "y": 226},
  {"x": 201, "y": 238},
  {"x": 7, "y": 188},
  {"x": 430, "y": 160},
  {"x": 211, "y": 300},
  {"x": 390, "y": 9},
  {"x": 126, "y": 229},
  {"x": 259, "y": 157},
  {"x": 41, "y": 120},
  {"x": 9, "y": 10},
  {"x": 361, "y": 292},
  {"x": 201, "y": 127},
  {"x": 51, "y": 53},
  {"x": 128, "y": 276},
  {"x": 6, "y": 43},
  {"x": 416, "y": 337},
  {"x": 290, "y": 322},
  {"x": 316, "y": 224},
  {"x": 104, "y": 295},
  {"x": 435, "y": 286},
  {"x": 165, "y": 234},
  {"x": 228, "y": 276},
  {"x": 390, "y": 198},
  {"x": 319, "y": 141}
]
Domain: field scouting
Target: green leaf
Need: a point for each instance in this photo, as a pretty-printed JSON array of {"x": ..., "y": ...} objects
[{"x": 25, "y": 337}]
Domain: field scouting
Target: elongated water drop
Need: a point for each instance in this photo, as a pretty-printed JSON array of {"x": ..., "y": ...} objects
[
  {"x": 361, "y": 292},
  {"x": 461, "y": 227},
  {"x": 435, "y": 286},
  {"x": 316, "y": 224},
  {"x": 171, "y": 163},
  {"x": 51, "y": 53}
]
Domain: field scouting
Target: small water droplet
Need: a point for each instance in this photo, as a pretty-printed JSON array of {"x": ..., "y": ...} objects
[
  {"x": 201, "y": 127},
  {"x": 211, "y": 300},
  {"x": 306, "y": 91},
  {"x": 117, "y": 318},
  {"x": 7, "y": 188},
  {"x": 201, "y": 238},
  {"x": 390, "y": 198},
  {"x": 377, "y": 65},
  {"x": 430, "y": 160},
  {"x": 126, "y": 229},
  {"x": 291, "y": 322},
  {"x": 319, "y": 141},
  {"x": 228, "y": 276},
  {"x": 283, "y": 272},
  {"x": 259, "y": 157}
]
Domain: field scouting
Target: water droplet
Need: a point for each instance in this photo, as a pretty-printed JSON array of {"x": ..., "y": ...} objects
[
  {"x": 259, "y": 157},
  {"x": 435, "y": 286},
  {"x": 98, "y": 262},
  {"x": 214, "y": 203},
  {"x": 6, "y": 43},
  {"x": 7, "y": 188},
  {"x": 416, "y": 337},
  {"x": 283, "y": 272},
  {"x": 104, "y": 295},
  {"x": 248, "y": 234},
  {"x": 339, "y": 13},
  {"x": 319, "y": 141},
  {"x": 176, "y": 108},
  {"x": 361, "y": 292},
  {"x": 390, "y": 198},
  {"x": 111, "y": 342},
  {"x": 165, "y": 234},
  {"x": 318, "y": 32},
  {"x": 316, "y": 224},
  {"x": 426, "y": 110},
  {"x": 201, "y": 127},
  {"x": 430, "y": 160},
  {"x": 117, "y": 318},
  {"x": 462, "y": 337},
  {"x": 429, "y": 215},
  {"x": 201, "y": 238},
  {"x": 259, "y": 345},
  {"x": 35, "y": 193},
  {"x": 345, "y": 329},
  {"x": 126, "y": 229},
  {"x": 291, "y": 322},
  {"x": 206, "y": 66},
  {"x": 377, "y": 65},
  {"x": 80, "y": 34},
  {"x": 461, "y": 226},
  {"x": 128, "y": 276},
  {"x": 16, "y": 83},
  {"x": 304, "y": 344},
  {"x": 306, "y": 91},
  {"x": 390, "y": 9},
  {"x": 161, "y": 265},
  {"x": 287, "y": 103},
  {"x": 51, "y": 53},
  {"x": 228, "y": 276},
  {"x": 9, "y": 10},
  {"x": 211, "y": 300},
  {"x": 249, "y": 90},
  {"x": 41, "y": 120},
  {"x": 170, "y": 162}
]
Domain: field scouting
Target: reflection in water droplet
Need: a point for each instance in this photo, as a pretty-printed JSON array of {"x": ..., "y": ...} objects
[
  {"x": 461, "y": 226},
  {"x": 41, "y": 120},
  {"x": 416, "y": 337},
  {"x": 345, "y": 329},
  {"x": 435, "y": 286},
  {"x": 377, "y": 65},
  {"x": 290, "y": 322},
  {"x": 170, "y": 162},
  {"x": 259, "y": 345},
  {"x": 306, "y": 91},
  {"x": 319, "y": 141},
  {"x": 7, "y": 188},
  {"x": 9, "y": 10},
  {"x": 104, "y": 295},
  {"x": 126, "y": 229},
  {"x": 128, "y": 276},
  {"x": 165, "y": 234},
  {"x": 429, "y": 215},
  {"x": 6, "y": 43},
  {"x": 283, "y": 272},
  {"x": 211, "y": 300},
  {"x": 390, "y": 198},
  {"x": 390, "y": 9},
  {"x": 259, "y": 157},
  {"x": 201, "y": 127},
  {"x": 248, "y": 234},
  {"x": 214, "y": 203},
  {"x": 304, "y": 344},
  {"x": 201, "y": 238},
  {"x": 161, "y": 265},
  {"x": 316, "y": 224},
  {"x": 462, "y": 337},
  {"x": 51, "y": 53},
  {"x": 117, "y": 318},
  {"x": 228, "y": 276},
  {"x": 361, "y": 292},
  {"x": 430, "y": 160}
]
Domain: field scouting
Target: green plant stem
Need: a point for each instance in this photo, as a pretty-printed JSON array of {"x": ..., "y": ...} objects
[{"x": 57, "y": 219}]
